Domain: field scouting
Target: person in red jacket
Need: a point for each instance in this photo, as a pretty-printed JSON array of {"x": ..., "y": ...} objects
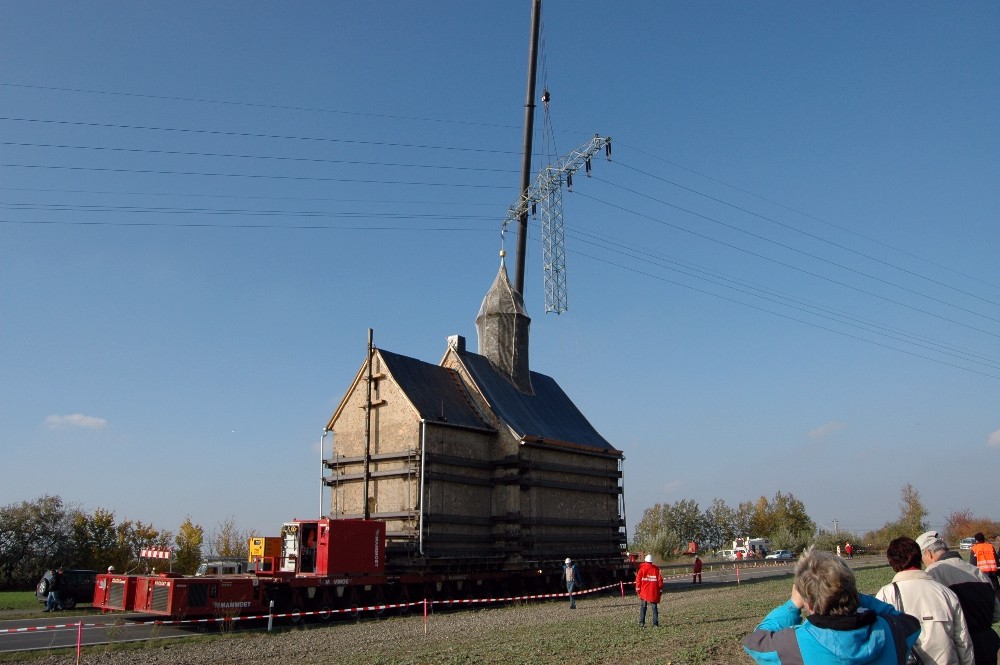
[
  {"x": 649, "y": 586},
  {"x": 696, "y": 579}
]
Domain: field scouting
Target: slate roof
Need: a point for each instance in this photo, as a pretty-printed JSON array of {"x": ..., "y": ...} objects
[
  {"x": 436, "y": 392},
  {"x": 549, "y": 414}
]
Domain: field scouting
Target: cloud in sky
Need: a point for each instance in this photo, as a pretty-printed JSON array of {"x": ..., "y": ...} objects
[
  {"x": 673, "y": 486},
  {"x": 75, "y": 420},
  {"x": 826, "y": 430},
  {"x": 994, "y": 440}
]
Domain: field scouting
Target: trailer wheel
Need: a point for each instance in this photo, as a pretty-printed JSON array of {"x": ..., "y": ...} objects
[
  {"x": 403, "y": 599},
  {"x": 325, "y": 613},
  {"x": 354, "y": 601},
  {"x": 379, "y": 601}
]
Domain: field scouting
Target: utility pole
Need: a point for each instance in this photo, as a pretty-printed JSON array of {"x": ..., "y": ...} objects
[
  {"x": 529, "y": 128},
  {"x": 368, "y": 421}
]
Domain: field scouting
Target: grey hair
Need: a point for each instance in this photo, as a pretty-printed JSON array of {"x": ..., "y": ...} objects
[
  {"x": 826, "y": 583},
  {"x": 937, "y": 546}
]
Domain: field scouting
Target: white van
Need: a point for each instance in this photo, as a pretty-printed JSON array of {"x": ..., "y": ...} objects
[{"x": 730, "y": 555}]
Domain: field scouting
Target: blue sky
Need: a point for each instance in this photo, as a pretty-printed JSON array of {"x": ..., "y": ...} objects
[{"x": 785, "y": 279}]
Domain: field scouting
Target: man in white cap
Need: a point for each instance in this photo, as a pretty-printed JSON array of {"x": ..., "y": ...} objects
[
  {"x": 572, "y": 577},
  {"x": 974, "y": 590},
  {"x": 649, "y": 586}
]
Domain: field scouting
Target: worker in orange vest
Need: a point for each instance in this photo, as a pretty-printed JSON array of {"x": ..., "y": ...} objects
[{"x": 984, "y": 556}]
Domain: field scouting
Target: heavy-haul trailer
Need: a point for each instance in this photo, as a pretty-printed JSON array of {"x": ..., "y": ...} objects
[
  {"x": 324, "y": 566},
  {"x": 321, "y": 563}
]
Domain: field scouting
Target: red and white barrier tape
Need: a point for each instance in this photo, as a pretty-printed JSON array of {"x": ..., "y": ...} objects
[{"x": 346, "y": 610}]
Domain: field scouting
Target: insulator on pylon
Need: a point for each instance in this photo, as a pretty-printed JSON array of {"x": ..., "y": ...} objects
[
  {"x": 534, "y": 209},
  {"x": 569, "y": 181},
  {"x": 586, "y": 166},
  {"x": 607, "y": 150}
]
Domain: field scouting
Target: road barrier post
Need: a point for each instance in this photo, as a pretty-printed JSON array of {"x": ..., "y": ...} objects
[{"x": 79, "y": 640}]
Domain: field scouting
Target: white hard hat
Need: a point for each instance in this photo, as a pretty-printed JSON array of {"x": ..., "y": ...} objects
[
  {"x": 568, "y": 560},
  {"x": 649, "y": 558},
  {"x": 111, "y": 569}
]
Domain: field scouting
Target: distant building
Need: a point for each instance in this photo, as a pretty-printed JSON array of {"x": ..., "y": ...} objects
[{"x": 477, "y": 456}]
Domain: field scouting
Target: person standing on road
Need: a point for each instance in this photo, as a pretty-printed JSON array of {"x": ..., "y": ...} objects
[
  {"x": 944, "y": 636},
  {"x": 53, "y": 602},
  {"x": 974, "y": 591},
  {"x": 572, "y": 577},
  {"x": 649, "y": 586},
  {"x": 841, "y": 626},
  {"x": 697, "y": 570},
  {"x": 984, "y": 556},
  {"x": 849, "y": 550}
]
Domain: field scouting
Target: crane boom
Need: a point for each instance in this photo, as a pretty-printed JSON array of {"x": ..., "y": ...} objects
[{"x": 547, "y": 189}]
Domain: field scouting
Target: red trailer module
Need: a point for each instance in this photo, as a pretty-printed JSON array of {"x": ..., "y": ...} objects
[
  {"x": 178, "y": 596},
  {"x": 325, "y": 547},
  {"x": 115, "y": 592},
  {"x": 314, "y": 565}
]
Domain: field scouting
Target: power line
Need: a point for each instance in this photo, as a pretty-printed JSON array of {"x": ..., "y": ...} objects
[
  {"x": 591, "y": 239},
  {"x": 790, "y": 318},
  {"x": 279, "y": 107},
  {"x": 788, "y": 265},
  {"x": 317, "y": 160},
  {"x": 207, "y": 225},
  {"x": 803, "y": 306},
  {"x": 151, "y": 210},
  {"x": 809, "y": 235},
  {"x": 287, "y": 137},
  {"x": 791, "y": 249},
  {"x": 49, "y": 190},
  {"x": 58, "y": 207},
  {"x": 810, "y": 216},
  {"x": 250, "y": 175}
]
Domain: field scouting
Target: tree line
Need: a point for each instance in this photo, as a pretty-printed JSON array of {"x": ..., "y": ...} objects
[
  {"x": 666, "y": 529},
  {"x": 45, "y": 533}
]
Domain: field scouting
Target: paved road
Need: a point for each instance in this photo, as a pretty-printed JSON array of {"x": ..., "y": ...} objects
[{"x": 60, "y": 630}]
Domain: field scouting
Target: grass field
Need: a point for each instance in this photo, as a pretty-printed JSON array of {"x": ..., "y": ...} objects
[
  {"x": 19, "y": 600},
  {"x": 698, "y": 626}
]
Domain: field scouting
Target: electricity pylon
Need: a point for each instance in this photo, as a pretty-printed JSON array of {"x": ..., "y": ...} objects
[{"x": 547, "y": 189}]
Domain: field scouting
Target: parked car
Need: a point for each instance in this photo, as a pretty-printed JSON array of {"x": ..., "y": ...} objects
[
  {"x": 77, "y": 587},
  {"x": 966, "y": 543},
  {"x": 780, "y": 554}
]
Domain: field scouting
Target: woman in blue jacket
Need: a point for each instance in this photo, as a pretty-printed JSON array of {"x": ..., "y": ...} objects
[{"x": 842, "y": 627}]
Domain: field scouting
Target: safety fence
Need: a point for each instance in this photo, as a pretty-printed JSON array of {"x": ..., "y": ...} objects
[{"x": 426, "y": 604}]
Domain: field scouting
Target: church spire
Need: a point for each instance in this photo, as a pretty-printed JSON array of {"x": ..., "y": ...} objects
[{"x": 502, "y": 325}]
